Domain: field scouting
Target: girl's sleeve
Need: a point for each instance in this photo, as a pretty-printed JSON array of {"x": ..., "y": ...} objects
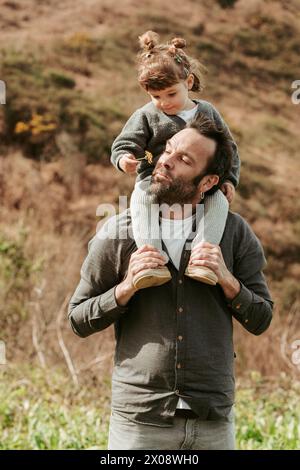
[
  {"x": 133, "y": 138},
  {"x": 234, "y": 174}
]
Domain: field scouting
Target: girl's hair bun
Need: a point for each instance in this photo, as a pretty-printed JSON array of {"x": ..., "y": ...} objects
[
  {"x": 148, "y": 40},
  {"x": 179, "y": 43}
]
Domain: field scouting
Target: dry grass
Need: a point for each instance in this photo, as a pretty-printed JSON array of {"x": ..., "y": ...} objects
[
  {"x": 271, "y": 353},
  {"x": 58, "y": 223}
]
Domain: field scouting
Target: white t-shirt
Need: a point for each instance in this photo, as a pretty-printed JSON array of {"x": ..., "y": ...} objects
[
  {"x": 189, "y": 114},
  {"x": 174, "y": 233}
]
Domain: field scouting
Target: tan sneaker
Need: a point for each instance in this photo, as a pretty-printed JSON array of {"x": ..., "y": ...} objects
[
  {"x": 151, "y": 277},
  {"x": 202, "y": 274}
]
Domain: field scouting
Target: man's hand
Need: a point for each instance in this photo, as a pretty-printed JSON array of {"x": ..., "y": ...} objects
[
  {"x": 146, "y": 257},
  {"x": 207, "y": 254},
  {"x": 229, "y": 190},
  {"x": 128, "y": 163}
]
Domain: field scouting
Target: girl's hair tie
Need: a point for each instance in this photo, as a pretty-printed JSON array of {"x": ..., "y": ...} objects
[
  {"x": 148, "y": 41},
  {"x": 178, "y": 43},
  {"x": 178, "y": 58}
]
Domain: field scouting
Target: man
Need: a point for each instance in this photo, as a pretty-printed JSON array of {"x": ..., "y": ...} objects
[{"x": 173, "y": 378}]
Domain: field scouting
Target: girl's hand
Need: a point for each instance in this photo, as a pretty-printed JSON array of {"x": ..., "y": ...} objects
[
  {"x": 128, "y": 163},
  {"x": 229, "y": 190}
]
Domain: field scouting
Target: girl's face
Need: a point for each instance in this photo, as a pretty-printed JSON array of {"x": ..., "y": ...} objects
[{"x": 173, "y": 99}]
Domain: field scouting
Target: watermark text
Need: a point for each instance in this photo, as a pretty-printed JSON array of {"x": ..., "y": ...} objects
[
  {"x": 2, "y": 92},
  {"x": 2, "y": 353},
  {"x": 296, "y": 94}
]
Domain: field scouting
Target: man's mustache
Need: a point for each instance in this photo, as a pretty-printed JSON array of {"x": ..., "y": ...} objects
[{"x": 162, "y": 171}]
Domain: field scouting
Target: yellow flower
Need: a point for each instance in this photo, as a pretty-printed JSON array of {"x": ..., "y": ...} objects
[
  {"x": 36, "y": 125},
  {"x": 49, "y": 127},
  {"x": 36, "y": 119},
  {"x": 149, "y": 157},
  {"x": 21, "y": 127}
]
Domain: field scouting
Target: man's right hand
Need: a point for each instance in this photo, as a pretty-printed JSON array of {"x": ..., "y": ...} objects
[
  {"x": 128, "y": 163},
  {"x": 146, "y": 257}
]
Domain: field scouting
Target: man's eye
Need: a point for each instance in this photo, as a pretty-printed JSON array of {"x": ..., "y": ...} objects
[
  {"x": 172, "y": 94},
  {"x": 185, "y": 160}
]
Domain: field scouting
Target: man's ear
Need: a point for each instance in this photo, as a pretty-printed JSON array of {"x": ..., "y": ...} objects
[{"x": 208, "y": 182}]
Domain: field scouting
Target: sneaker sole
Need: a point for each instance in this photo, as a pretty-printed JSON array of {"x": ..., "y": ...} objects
[
  {"x": 151, "y": 278},
  {"x": 202, "y": 274}
]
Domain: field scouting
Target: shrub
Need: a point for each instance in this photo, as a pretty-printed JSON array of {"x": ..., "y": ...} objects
[
  {"x": 227, "y": 3},
  {"x": 16, "y": 281},
  {"x": 43, "y": 102}
]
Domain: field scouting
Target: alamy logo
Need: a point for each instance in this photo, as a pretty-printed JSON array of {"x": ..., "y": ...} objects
[
  {"x": 296, "y": 354},
  {"x": 2, "y": 92},
  {"x": 108, "y": 227},
  {"x": 296, "y": 94},
  {"x": 2, "y": 353}
]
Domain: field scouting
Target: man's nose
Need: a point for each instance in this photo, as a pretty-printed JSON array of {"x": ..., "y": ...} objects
[{"x": 168, "y": 160}]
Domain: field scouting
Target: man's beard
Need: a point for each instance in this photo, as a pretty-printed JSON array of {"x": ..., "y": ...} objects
[{"x": 177, "y": 191}]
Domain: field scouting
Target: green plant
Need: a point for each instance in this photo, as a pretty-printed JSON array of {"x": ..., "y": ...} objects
[
  {"x": 61, "y": 79},
  {"x": 40, "y": 410},
  {"x": 32, "y": 120},
  {"x": 267, "y": 415},
  {"x": 44, "y": 411},
  {"x": 17, "y": 271}
]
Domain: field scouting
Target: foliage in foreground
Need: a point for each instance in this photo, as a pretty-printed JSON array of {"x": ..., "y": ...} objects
[{"x": 41, "y": 410}]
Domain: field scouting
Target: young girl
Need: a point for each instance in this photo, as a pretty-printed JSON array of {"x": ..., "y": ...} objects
[{"x": 167, "y": 74}]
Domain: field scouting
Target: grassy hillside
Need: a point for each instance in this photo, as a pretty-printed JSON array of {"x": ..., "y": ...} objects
[{"x": 71, "y": 84}]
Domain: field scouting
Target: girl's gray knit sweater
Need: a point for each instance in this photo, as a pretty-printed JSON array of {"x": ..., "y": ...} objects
[{"x": 149, "y": 129}]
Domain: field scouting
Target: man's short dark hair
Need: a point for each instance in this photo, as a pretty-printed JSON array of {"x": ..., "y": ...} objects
[{"x": 220, "y": 162}]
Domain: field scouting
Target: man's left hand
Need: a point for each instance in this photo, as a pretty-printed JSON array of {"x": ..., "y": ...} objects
[
  {"x": 229, "y": 190},
  {"x": 207, "y": 254}
]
